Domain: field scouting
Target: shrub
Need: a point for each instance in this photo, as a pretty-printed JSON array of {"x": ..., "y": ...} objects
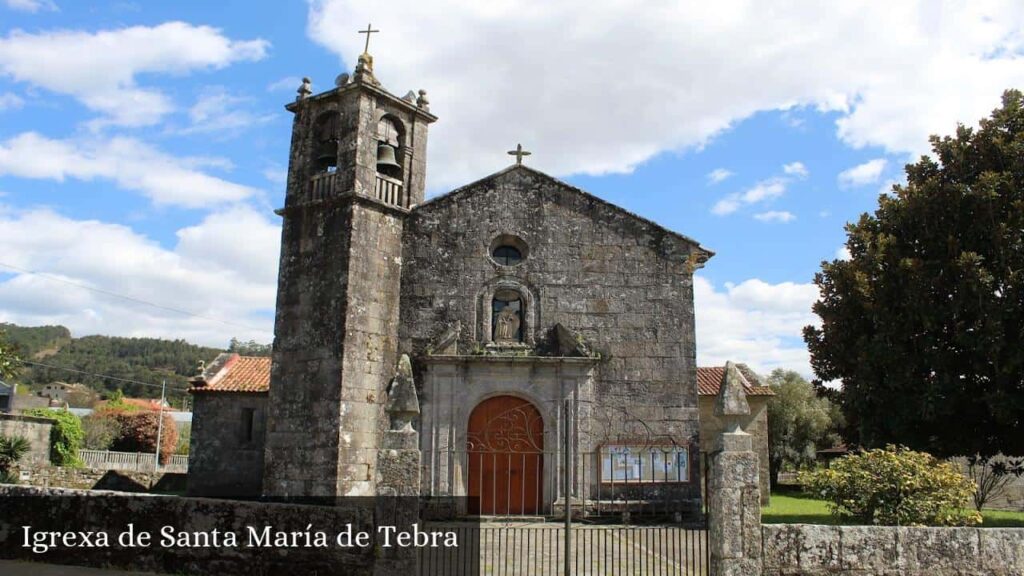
[
  {"x": 139, "y": 432},
  {"x": 184, "y": 439},
  {"x": 894, "y": 486},
  {"x": 101, "y": 430},
  {"x": 12, "y": 448},
  {"x": 65, "y": 438}
]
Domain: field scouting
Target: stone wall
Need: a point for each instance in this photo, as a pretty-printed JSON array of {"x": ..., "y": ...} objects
[
  {"x": 755, "y": 424},
  {"x": 111, "y": 512},
  {"x": 35, "y": 430},
  {"x": 802, "y": 549},
  {"x": 223, "y": 460},
  {"x": 1009, "y": 498},
  {"x": 47, "y": 476}
]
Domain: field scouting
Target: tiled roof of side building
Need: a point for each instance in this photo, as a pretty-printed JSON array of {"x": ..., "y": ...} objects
[
  {"x": 709, "y": 379},
  {"x": 252, "y": 374},
  {"x": 234, "y": 373}
]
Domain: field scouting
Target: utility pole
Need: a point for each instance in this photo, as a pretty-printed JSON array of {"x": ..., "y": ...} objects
[
  {"x": 160, "y": 425},
  {"x": 567, "y": 483}
]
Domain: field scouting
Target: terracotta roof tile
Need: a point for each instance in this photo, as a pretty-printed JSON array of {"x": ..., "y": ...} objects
[
  {"x": 709, "y": 379},
  {"x": 252, "y": 374},
  {"x": 236, "y": 374}
]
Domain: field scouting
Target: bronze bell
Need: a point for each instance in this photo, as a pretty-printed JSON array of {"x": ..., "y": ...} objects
[
  {"x": 386, "y": 158},
  {"x": 327, "y": 154}
]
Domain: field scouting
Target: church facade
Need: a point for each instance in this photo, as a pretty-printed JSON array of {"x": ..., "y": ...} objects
[{"x": 539, "y": 319}]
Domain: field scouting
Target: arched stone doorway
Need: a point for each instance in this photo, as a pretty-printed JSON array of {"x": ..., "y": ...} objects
[{"x": 505, "y": 446}]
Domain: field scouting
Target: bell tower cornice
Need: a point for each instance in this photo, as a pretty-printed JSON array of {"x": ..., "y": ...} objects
[{"x": 411, "y": 102}]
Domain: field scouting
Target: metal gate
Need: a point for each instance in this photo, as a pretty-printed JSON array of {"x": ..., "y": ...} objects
[
  {"x": 540, "y": 550},
  {"x": 578, "y": 544}
]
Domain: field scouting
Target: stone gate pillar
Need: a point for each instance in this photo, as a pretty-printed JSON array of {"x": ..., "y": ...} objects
[
  {"x": 398, "y": 472},
  {"x": 734, "y": 497}
]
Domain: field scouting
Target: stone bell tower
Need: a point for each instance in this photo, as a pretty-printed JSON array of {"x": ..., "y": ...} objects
[{"x": 357, "y": 165}]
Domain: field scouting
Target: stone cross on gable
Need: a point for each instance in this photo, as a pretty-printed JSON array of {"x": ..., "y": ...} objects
[
  {"x": 369, "y": 30},
  {"x": 519, "y": 153}
]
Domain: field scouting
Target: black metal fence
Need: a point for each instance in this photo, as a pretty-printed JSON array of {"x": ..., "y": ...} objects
[
  {"x": 653, "y": 481},
  {"x": 540, "y": 550}
]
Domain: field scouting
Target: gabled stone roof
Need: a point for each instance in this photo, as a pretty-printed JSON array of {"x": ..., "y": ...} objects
[
  {"x": 709, "y": 379},
  {"x": 233, "y": 373},
  {"x": 468, "y": 188}
]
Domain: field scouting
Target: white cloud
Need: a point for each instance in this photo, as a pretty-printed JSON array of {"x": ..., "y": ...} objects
[
  {"x": 276, "y": 175},
  {"x": 288, "y": 83},
  {"x": 219, "y": 112},
  {"x": 223, "y": 268},
  {"x": 10, "y": 101},
  {"x": 754, "y": 322},
  {"x": 862, "y": 174},
  {"x": 597, "y": 86},
  {"x": 775, "y": 216},
  {"x": 886, "y": 187},
  {"x": 763, "y": 190},
  {"x": 131, "y": 164},
  {"x": 796, "y": 169},
  {"x": 100, "y": 69},
  {"x": 717, "y": 175},
  {"x": 843, "y": 253},
  {"x": 32, "y": 6}
]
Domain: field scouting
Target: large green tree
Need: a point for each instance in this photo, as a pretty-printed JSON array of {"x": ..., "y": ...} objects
[
  {"x": 10, "y": 361},
  {"x": 924, "y": 323},
  {"x": 800, "y": 422}
]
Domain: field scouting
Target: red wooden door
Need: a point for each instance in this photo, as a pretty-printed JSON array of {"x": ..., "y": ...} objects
[{"x": 505, "y": 447}]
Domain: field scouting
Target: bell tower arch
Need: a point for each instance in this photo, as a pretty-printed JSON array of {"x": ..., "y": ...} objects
[{"x": 351, "y": 183}]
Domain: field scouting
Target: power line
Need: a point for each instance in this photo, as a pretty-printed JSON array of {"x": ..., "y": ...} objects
[
  {"x": 105, "y": 376},
  {"x": 130, "y": 298}
]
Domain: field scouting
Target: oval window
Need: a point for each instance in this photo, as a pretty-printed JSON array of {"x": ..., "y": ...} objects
[{"x": 507, "y": 255}]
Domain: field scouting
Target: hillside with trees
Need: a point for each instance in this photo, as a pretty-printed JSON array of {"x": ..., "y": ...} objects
[{"x": 148, "y": 360}]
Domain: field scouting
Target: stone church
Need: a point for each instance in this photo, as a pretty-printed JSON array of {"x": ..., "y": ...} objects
[{"x": 535, "y": 319}]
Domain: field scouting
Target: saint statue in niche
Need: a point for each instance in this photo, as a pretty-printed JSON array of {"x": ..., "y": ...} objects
[{"x": 506, "y": 326}]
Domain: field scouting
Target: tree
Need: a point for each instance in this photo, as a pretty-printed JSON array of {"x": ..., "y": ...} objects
[
  {"x": 10, "y": 359},
  {"x": 924, "y": 324},
  {"x": 100, "y": 430},
  {"x": 991, "y": 476},
  {"x": 250, "y": 348},
  {"x": 799, "y": 423}
]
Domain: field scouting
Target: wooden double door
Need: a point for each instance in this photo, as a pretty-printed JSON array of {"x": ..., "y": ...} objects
[{"x": 505, "y": 449}]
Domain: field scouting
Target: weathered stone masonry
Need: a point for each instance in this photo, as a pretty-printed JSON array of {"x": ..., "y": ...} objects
[
  {"x": 809, "y": 550},
  {"x": 337, "y": 312},
  {"x": 622, "y": 284}
]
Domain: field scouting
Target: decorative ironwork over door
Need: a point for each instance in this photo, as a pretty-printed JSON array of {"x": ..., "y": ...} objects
[{"x": 505, "y": 449}]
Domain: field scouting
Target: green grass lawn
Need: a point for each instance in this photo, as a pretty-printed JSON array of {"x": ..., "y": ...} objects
[{"x": 795, "y": 508}]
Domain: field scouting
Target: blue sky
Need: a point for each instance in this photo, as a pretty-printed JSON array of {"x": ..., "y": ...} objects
[{"x": 143, "y": 144}]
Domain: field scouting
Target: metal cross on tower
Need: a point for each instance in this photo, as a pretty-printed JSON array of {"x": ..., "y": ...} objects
[
  {"x": 369, "y": 30},
  {"x": 519, "y": 153}
]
